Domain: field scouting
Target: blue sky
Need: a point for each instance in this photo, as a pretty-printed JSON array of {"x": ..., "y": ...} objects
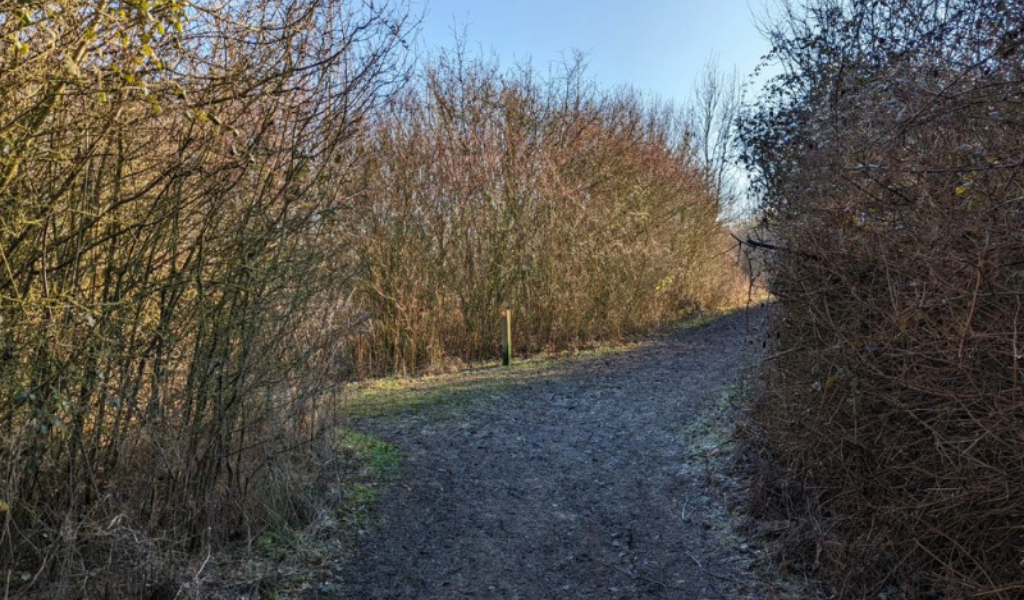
[{"x": 657, "y": 46}]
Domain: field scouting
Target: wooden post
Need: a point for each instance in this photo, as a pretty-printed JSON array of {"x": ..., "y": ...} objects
[{"x": 506, "y": 337}]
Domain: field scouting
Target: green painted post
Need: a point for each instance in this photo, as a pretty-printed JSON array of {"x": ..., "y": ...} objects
[{"x": 506, "y": 337}]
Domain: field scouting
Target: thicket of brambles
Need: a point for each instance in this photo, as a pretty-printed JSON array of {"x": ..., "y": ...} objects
[
  {"x": 213, "y": 213},
  {"x": 890, "y": 420}
]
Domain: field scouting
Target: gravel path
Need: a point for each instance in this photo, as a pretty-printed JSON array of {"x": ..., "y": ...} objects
[{"x": 578, "y": 485}]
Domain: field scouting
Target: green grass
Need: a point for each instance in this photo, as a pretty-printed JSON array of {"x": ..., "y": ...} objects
[
  {"x": 375, "y": 463},
  {"x": 380, "y": 459},
  {"x": 359, "y": 501},
  {"x": 487, "y": 380},
  {"x": 303, "y": 557}
]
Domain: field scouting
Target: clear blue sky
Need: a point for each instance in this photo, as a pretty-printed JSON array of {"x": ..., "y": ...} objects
[{"x": 657, "y": 46}]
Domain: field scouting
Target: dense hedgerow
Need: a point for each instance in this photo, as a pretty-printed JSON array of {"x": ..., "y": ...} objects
[
  {"x": 587, "y": 213},
  {"x": 890, "y": 417},
  {"x": 169, "y": 284}
]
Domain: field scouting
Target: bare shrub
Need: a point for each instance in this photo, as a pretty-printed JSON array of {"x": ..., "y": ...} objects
[
  {"x": 890, "y": 415},
  {"x": 587, "y": 213},
  {"x": 169, "y": 278}
]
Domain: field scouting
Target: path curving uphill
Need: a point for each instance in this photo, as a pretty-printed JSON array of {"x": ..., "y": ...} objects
[{"x": 580, "y": 484}]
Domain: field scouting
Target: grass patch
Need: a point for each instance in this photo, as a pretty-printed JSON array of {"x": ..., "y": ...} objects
[
  {"x": 706, "y": 435},
  {"x": 295, "y": 559},
  {"x": 380, "y": 459},
  {"x": 359, "y": 500},
  {"x": 375, "y": 463},
  {"x": 487, "y": 380},
  {"x": 715, "y": 452},
  {"x": 710, "y": 454}
]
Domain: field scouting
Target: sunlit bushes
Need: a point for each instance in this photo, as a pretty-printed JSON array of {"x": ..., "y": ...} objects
[
  {"x": 169, "y": 284},
  {"x": 587, "y": 213}
]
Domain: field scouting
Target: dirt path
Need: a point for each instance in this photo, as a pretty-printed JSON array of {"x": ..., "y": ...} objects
[{"x": 580, "y": 484}]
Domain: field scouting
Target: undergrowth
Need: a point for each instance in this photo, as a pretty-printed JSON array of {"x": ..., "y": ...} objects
[{"x": 292, "y": 559}]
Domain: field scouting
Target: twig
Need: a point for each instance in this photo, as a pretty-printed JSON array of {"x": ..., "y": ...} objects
[
  {"x": 768, "y": 246},
  {"x": 783, "y": 353},
  {"x": 696, "y": 562},
  {"x": 970, "y": 314}
]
